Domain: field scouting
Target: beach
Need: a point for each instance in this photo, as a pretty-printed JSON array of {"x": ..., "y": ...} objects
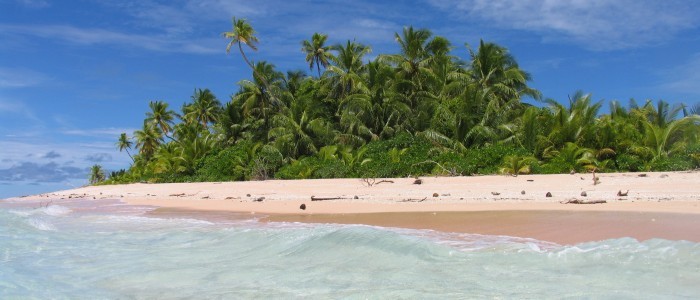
[
  {"x": 638, "y": 205},
  {"x": 222, "y": 240}
]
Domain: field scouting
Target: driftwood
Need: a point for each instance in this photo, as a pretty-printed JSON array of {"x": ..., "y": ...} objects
[
  {"x": 414, "y": 200},
  {"x": 314, "y": 198},
  {"x": 576, "y": 201},
  {"x": 177, "y": 195},
  {"x": 259, "y": 199},
  {"x": 373, "y": 181}
]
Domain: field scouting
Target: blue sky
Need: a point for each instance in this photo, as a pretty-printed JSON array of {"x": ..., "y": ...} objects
[{"x": 75, "y": 74}]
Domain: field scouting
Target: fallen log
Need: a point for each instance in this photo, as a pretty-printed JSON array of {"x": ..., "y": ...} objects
[
  {"x": 314, "y": 198},
  {"x": 414, "y": 200},
  {"x": 576, "y": 201}
]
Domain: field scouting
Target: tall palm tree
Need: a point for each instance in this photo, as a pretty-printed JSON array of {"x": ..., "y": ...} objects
[
  {"x": 125, "y": 143},
  {"x": 147, "y": 140},
  {"x": 161, "y": 116},
  {"x": 242, "y": 33},
  {"x": 204, "y": 109},
  {"x": 316, "y": 52}
]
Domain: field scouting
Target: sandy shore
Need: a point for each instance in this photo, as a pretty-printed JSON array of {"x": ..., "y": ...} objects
[{"x": 661, "y": 194}]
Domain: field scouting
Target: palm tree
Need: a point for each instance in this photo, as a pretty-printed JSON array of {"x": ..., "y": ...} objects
[
  {"x": 147, "y": 140},
  {"x": 97, "y": 174},
  {"x": 161, "y": 116},
  {"x": 668, "y": 139},
  {"x": 516, "y": 165},
  {"x": 316, "y": 52},
  {"x": 204, "y": 109},
  {"x": 241, "y": 33},
  {"x": 125, "y": 143}
]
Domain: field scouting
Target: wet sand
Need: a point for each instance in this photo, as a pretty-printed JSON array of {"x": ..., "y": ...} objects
[{"x": 561, "y": 227}]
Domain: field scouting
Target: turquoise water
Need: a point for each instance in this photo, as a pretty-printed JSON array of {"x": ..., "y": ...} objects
[{"x": 69, "y": 250}]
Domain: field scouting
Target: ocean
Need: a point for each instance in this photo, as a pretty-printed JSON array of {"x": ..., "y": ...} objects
[{"x": 76, "y": 250}]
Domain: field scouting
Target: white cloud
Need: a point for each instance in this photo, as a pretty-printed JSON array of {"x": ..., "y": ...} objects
[
  {"x": 96, "y": 36},
  {"x": 17, "y": 108},
  {"x": 595, "y": 24},
  {"x": 99, "y": 132},
  {"x": 20, "y": 78}
]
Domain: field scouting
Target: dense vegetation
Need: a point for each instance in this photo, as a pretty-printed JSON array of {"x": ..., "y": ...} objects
[{"x": 420, "y": 111}]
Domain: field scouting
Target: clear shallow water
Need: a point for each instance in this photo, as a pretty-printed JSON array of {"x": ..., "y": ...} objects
[{"x": 69, "y": 250}]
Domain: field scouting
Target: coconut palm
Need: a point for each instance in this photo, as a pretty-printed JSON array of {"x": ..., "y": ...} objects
[
  {"x": 97, "y": 174},
  {"x": 663, "y": 141},
  {"x": 242, "y": 33},
  {"x": 147, "y": 140},
  {"x": 125, "y": 143},
  {"x": 161, "y": 116},
  {"x": 516, "y": 165},
  {"x": 316, "y": 52},
  {"x": 204, "y": 109}
]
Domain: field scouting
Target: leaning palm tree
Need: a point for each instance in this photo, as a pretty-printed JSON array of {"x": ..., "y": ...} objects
[
  {"x": 161, "y": 116},
  {"x": 125, "y": 143},
  {"x": 316, "y": 52},
  {"x": 242, "y": 33}
]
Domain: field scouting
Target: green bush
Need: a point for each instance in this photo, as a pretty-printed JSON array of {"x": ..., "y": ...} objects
[
  {"x": 674, "y": 163},
  {"x": 226, "y": 165},
  {"x": 629, "y": 162}
]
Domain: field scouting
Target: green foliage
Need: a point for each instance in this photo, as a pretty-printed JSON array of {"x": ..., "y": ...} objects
[
  {"x": 416, "y": 112},
  {"x": 229, "y": 164},
  {"x": 97, "y": 174},
  {"x": 629, "y": 162},
  {"x": 672, "y": 163}
]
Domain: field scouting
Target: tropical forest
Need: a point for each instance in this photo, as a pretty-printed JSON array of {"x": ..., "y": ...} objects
[{"x": 422, "y": 111}]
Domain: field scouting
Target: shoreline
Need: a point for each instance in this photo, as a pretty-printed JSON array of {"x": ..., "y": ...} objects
[{"x": 398, "y": 202}]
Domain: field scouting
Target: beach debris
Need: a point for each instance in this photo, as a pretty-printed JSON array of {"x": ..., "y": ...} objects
[
  {"x": 522, "y": 192},
  {"x": 621, "y": 194},
  {"x": 356, "y": 197},
  {"x": 596, "y": 180},
  {"x": 314, "y": 198},
  {"x": 302, "y": 206},
  {"x": 229, "y": 198},
  {"x": 373, "y": 181},
  {"x": 418, "y": 181},
  {"x": 436, "y": 194},
  {"x": 583, "y": 178},
  {"x": 259, "y": 199},
  {"x": 584, "y": 194},
  {"x": 530, "y": 180},
  {"x": 414, "y": 200},
  {"x": 495, "y": 193},
  {"x": 548, "y": 195},
  {"x": 177, "y": 195},
  {"x": 205, "y": 197},
  {"x": 247, "y": 195},
  {"x": 446, "y": 195},
  {"x": 664, "y": 176},
  {"x": 642, "y": 175},
  {"x": 576, "y": 201}
]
